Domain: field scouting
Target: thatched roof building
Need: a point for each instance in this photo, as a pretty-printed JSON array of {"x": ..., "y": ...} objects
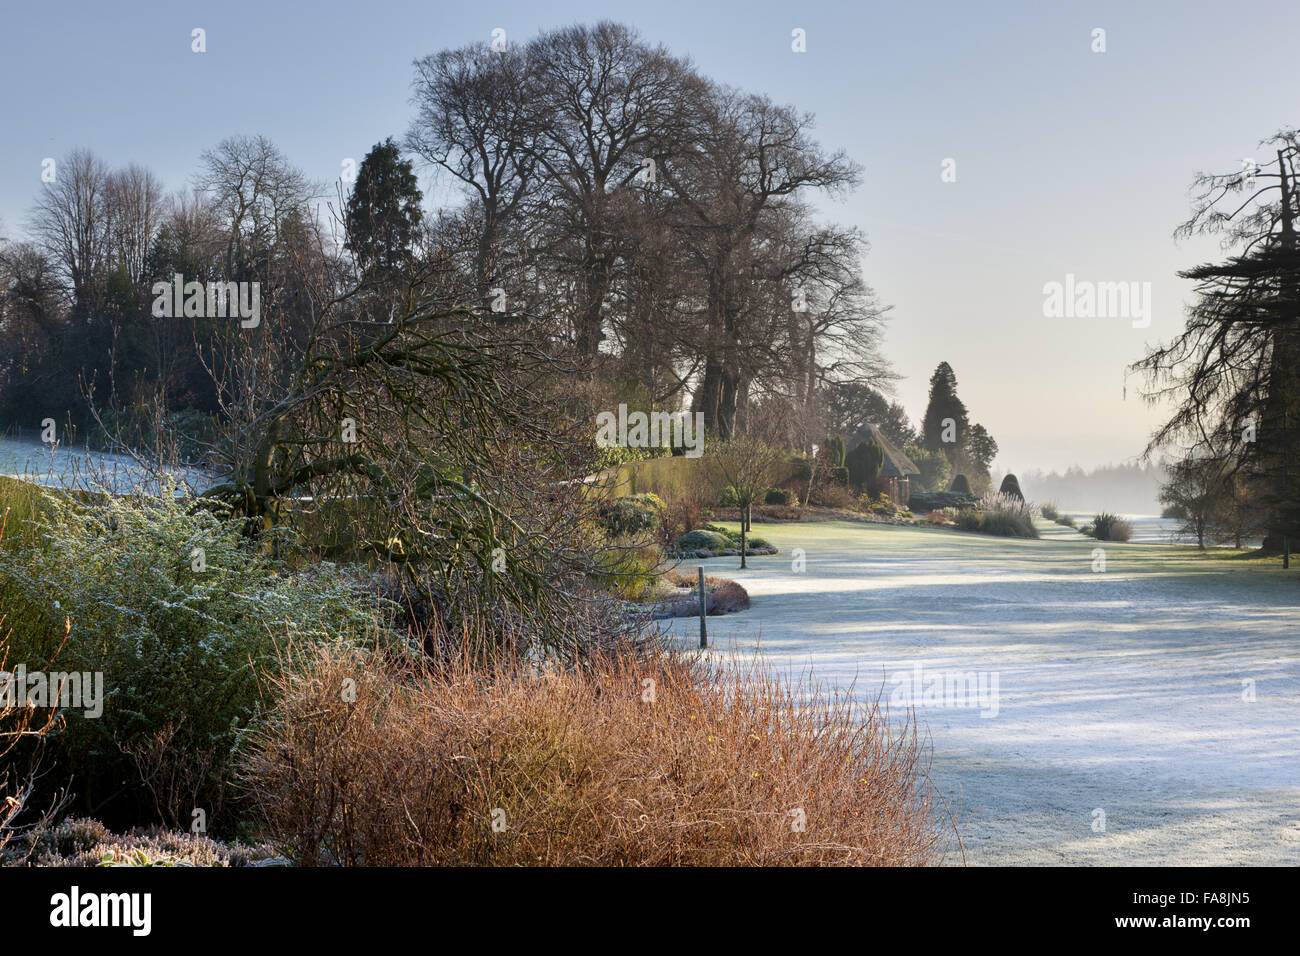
[{"x": 896, "y": 465}]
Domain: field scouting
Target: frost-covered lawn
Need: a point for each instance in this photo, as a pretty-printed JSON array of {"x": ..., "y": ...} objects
[{"x": 1118, "y": 691}]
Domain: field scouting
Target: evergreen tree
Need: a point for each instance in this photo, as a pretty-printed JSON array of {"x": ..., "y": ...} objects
[
  {"x": 864, "y": 463},
  {"x": 851, "y": 405},
  {"x": 935, "y": 470},
  {"x": 936, "y": 432},
  {"x": 383, "y": 215},
  {"x": 1234, "y": 371},
  {"x": 981, "y": 449},
  {"x": 835, "y": 450}
]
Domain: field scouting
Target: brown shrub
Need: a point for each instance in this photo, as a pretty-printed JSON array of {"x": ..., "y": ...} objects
[
  {"x": 649, "y": 760},
  {"x": 681, "y": 514},
  {"x": 834, "y": 496},
  {"x": 725, "y": 596}
]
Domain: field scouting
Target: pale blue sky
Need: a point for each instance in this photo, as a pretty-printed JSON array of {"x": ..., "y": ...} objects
[{"x": 1068, "y": 161}]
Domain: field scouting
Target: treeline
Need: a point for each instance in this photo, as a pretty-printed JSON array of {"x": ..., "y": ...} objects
[
  {"x": 648, "y": 224},
  {"x": 1126, "y": 488}
]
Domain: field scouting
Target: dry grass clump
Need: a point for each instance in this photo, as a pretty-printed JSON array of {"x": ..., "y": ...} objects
[{"x": 631, "y": 760}]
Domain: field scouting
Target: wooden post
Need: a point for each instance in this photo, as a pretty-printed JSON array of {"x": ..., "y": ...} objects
[{"x": 704, "y": 609}]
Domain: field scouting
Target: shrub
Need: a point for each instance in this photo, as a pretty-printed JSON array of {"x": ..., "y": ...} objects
[
  {"x": 681, "y": 514},
  {"x": 1011, "y": 487},
  {"x": 967, "y": 519},
  {"x": 702, "y": 540},
  {"x": 778, "y": 496},
  {"x": 1065, "y": 520},
  {"x": 960, "y": 486},
  {"x": 1002, "y": 515},
  {"x": 628, "y": 566},
  {"x": 633, "y": 515},
  {"x": 1007, "y": 524},
  {"x": 839, "y": 475},
  {"x": 22, "y": 505},
  {"x": 725, "y": 596},
  {"x": 23, "y": 733},
  {"x": 1109, "y": 527},
  {"x": 939, "y": 501},
  {"x": 934, "y": 467},
  {"x": 730, "y": 497},
  {"x": 168, "y": 599},
  {"x": 543, "y": 766},
  {"x": 834, "y": 450},
  {"x": 833, "y": 496},
  {"x": 1049, "y": 512}
]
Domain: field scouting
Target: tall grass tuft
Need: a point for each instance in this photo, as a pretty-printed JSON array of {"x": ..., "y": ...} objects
[
  {"x": 1109, "y": 527},
  {"x": 645, "y": 759},
  {"x": 999, "y": 514}
]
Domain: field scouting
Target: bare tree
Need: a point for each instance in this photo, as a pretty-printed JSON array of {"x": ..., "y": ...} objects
[
  {"x": 748, "y": 465},
  {"x": 602, "y": 102},
  {"x": 137, "y": 206},
  {"x": 749, "y": 158},
  {"x": 473, "y": 121},
  {"x": 71, "y": 223},
  {"x": 257, "y": 192}
]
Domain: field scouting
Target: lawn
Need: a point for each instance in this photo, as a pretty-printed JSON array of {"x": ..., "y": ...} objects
[{"x": 1126, "y": 691}]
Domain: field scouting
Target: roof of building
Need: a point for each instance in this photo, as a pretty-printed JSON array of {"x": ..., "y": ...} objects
[{"x": 896, "y": 465}]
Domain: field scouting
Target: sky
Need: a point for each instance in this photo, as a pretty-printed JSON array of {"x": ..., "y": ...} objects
[{"x": 1067, "y": 161}]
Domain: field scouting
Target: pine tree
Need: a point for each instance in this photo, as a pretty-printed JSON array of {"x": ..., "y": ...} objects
[
  {"x": 936, "y": 432},
  {"x": 383, "y": 216}
]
